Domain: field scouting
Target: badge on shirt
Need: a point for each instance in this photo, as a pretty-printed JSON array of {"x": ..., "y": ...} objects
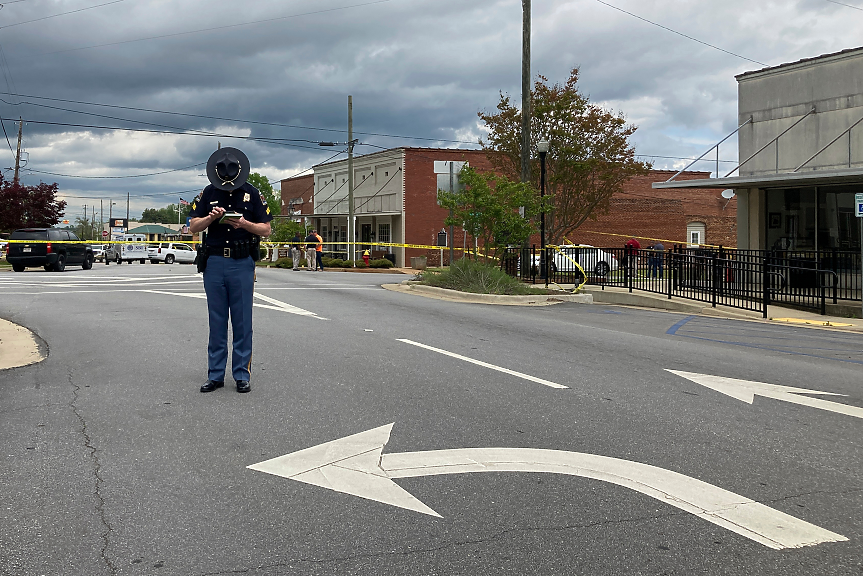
[{"x": 246, "y": 197}]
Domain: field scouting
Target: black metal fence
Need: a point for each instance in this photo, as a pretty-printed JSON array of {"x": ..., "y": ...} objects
[{"x": 745, "y": 279}]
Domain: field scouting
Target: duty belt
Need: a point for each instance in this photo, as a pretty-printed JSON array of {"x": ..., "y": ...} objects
[{"x": 236, "y": 252}]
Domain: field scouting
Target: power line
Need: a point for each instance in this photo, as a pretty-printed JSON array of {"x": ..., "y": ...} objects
[
  {"x": 234, "y": 119},
  {"x": 681, "y": 34},
  {"x": 191, "y": 132},
  {"x": 160, "y": 194},
  {"x": 219, "y": 27},
  {"x": 117, "y": 177},
  {"x": 848, "y": 5},
  {"x": 142, "y": 121},
  {"x": 60, "y": 14}
]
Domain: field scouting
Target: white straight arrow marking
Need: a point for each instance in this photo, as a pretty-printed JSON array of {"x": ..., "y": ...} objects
[
  {"x": 746, "y": 390},
  {"x": 355, "y": 465},
  {"x": 486, "y": 364}
]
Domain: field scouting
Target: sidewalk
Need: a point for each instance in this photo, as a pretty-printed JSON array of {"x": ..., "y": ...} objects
[{"x": 775, "y": 314}]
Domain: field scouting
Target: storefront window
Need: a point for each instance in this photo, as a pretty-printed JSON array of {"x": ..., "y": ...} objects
[
  {"x": 791, "y": 220},
  {"x": 838, "y": 227}
]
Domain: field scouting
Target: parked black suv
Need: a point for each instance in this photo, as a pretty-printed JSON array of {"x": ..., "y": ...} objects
[{"x": 53, "y": 252}]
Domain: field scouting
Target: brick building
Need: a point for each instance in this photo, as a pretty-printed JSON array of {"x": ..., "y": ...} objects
[
  {"x": 667, "y": 215},
  {"x": 296, "y": 194},
  {"x": 395, "y": 201}
]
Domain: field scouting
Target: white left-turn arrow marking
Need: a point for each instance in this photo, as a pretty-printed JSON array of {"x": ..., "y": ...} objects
[
  {"x": 355, "y": 465},
  {"x": 746, "y": 390}
]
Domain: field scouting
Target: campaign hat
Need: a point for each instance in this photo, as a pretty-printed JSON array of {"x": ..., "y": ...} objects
[{"x": 228, "y": 168}]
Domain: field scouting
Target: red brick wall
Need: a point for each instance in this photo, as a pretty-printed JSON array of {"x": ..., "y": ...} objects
[
  {"x": 423, "y": 217},
  {"x": 648, "y": 214},
  {"x": 299, "y": 186}
]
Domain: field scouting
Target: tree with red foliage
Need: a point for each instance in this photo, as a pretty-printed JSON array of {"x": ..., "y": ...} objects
[{"x": 28, "y": 206}]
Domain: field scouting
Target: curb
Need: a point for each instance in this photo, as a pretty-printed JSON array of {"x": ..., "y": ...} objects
[
  {"x": 657, "y": 302},
  {"x": 19, "y": 346},
  {"x": 470, "y": 298}
]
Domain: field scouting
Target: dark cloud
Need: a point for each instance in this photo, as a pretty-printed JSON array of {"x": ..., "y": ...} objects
[{"x": 416, "y": 68}]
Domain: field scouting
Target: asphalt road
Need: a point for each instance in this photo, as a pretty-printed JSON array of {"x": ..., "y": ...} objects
[{"x": 114, "y": 463}]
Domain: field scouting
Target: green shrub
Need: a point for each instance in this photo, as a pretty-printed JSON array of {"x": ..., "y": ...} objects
[
  {"x": 476, "y": 277},
  {"x": 382, "y": 263}
]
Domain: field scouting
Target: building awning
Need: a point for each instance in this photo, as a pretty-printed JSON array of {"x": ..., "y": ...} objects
[
  {"x": 781, "y": 180},
  {"x": 153, "y": 229}
]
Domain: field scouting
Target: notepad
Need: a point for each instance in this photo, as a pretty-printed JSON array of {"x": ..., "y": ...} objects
[{"x": 230, "y": 216}]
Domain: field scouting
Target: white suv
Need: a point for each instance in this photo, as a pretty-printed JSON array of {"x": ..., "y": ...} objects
[{"x": 170, "y": 252}]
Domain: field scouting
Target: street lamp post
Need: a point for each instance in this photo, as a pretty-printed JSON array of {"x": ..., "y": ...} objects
[{"x": 542, "y": 146}]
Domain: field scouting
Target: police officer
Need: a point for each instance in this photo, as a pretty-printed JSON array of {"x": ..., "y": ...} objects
[{"x": 235, "y": 216}]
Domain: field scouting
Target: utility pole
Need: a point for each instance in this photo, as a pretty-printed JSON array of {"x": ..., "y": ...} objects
[
  {"x": 101, "y": 220},
  {"x": 18, "y": 153},
  {"x": 525, "y": 120},
  {"x": 127, "y": 211},
  {"x": 351, "y": 253},
  {"x": 526, "y": 111}
]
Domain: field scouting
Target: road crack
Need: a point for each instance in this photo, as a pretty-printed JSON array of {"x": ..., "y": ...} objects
[{"x": 97, "y": 476}]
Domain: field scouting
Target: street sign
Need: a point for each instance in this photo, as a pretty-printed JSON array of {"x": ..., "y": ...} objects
[
  {"x": 858, "y": 202},
  {"x": 356, "y": 465},
  {"x": 104, "y": 233}
]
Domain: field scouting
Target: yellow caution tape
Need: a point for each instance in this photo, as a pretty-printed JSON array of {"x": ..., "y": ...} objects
[{"x": 652, "y": 239}]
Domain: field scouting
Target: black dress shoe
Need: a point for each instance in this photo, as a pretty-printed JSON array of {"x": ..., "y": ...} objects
[
  {"x": 211, "y": 385},
  {"x": 243, "y": 386}
]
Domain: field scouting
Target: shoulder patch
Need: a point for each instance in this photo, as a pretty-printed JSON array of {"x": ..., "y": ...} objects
[{"x": 268, "y": 209}]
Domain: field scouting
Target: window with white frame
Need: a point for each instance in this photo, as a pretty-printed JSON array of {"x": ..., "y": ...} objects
[{"x": 384, "y": 235}]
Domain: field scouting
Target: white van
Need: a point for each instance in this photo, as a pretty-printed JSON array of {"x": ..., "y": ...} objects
[{"x": 120, "y": 253}]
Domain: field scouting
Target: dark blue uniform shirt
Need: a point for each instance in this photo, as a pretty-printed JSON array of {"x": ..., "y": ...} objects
[{"x": 245, "y": 200}]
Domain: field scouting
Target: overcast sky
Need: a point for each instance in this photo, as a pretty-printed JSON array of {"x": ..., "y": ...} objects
[{"x": 418, "y": 70}]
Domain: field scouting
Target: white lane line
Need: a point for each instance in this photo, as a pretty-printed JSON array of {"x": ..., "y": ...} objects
[
  {"x": 318, "y": 288},
  {"x": 96, "y": 285},
  {"x": 486, "y": 365},
  {"x": 279, "y": 306},
  {"x": 287, "y": 307}
]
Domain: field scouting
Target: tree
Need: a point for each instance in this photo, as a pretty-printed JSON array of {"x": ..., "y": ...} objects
[
  {"x": 273, "y": 200},
  {"x": 589, "y": 159},
  {"x": 29, "y": 206},
  {"x": 487, "y": 207},
  {"x": 284, "y": 229},
  {"x": 166, "y": 215},
  {"x": 86, "y": 227}
]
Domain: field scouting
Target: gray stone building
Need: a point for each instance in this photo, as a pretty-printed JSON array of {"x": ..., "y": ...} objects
[{"x": 800, "y": 141}]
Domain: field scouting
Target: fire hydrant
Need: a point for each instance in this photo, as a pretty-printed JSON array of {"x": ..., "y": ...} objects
[{"x": 366, "y": 257}]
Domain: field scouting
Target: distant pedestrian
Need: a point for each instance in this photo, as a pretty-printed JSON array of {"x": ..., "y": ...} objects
[
  {"x": 311, "y": 242},
  {"x": 296, "y": 250},
  {"x": 630, "y": 254},
  {"x": 319, "y": 250},
  {"x": 656, "y": 259}
]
